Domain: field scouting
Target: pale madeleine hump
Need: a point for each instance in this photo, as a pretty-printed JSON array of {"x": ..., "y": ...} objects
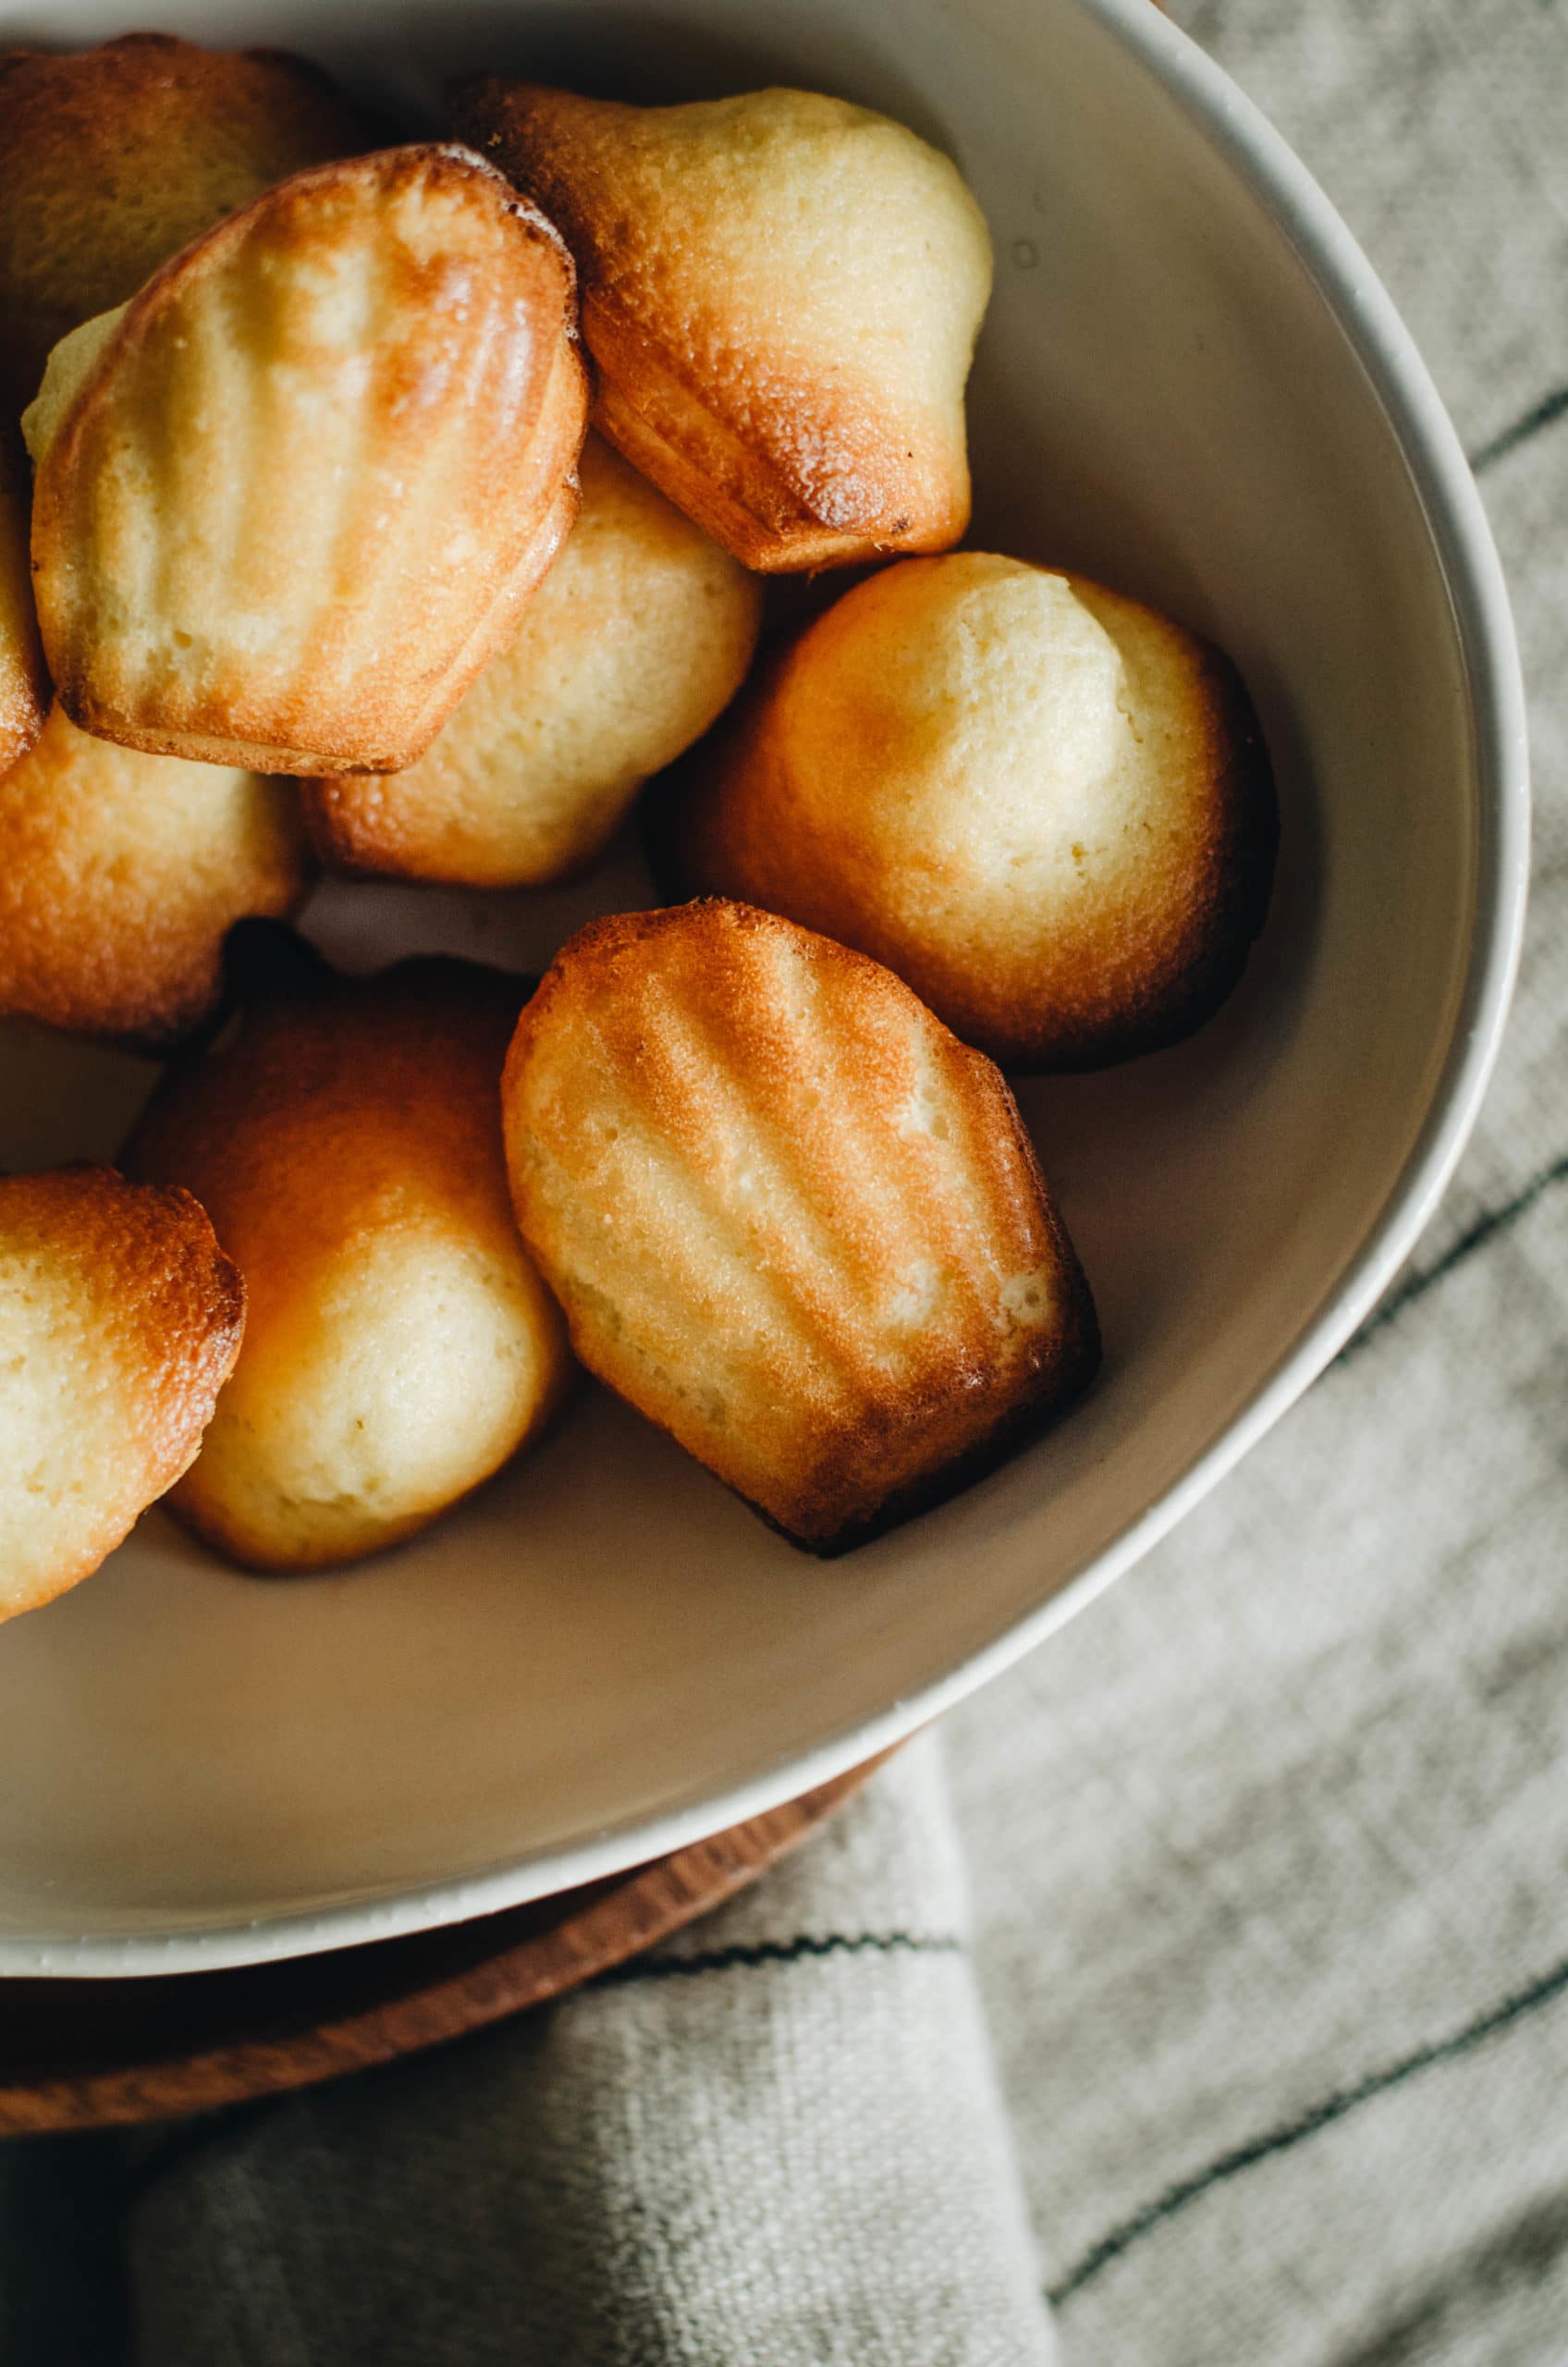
[
  {"x": 120, "y": 874},
  {"x": 345, "y": 1135},
  {"x": 789, "y": 1216},
  {"x": 781, "y": 292},
  {"x": 639, "y": 636},
  {"x": 1045, "y": 806},
  {"x": 114, "y": 158},
  {"x": 121, "y": 1320},
  {"x": 302, "y": 487},
  {"x": 23, "y": 689}
]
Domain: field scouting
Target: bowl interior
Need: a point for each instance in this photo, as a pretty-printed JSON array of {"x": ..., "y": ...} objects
[{"x": 604, "y": 1648}]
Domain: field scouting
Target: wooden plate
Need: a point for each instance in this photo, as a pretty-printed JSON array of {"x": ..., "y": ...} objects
[{"x": 83, "y": 2053}]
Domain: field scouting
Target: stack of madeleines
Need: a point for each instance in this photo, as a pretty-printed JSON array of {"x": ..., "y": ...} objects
[{"x": 328, "y": 569}]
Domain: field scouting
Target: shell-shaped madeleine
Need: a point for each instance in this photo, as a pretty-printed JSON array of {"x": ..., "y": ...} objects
[
  {"x": 120, "y": 1319},
  {"x": 311, "y": 473},
  {"x": 22, "y": 686},
  {"x": 345, "y": 1136},
  {"x": 1047, "y": 807},
  {"x": 789, "y": 1217},
  {"x": 781, "y": 292},
  {"x": 639, "y": 636},
  {"x": 116, "y": 157},
  {"x": 120, "y": 875}
]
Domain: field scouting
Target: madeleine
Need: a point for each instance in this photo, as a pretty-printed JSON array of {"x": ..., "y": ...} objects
[
  {"x": 294, "y": 496},
  {"x": 120, "y": 875},
  {"x": 119, "y": 1319},
  {"x": 114, "y": 158},
  {"x": 345, "y": 1136},
  {"x": 639, "y": 636},
  {"x": 781, "y": 292},
  {"x": 1048, "y": 807},
  {"x": 789, "y": 1217}
]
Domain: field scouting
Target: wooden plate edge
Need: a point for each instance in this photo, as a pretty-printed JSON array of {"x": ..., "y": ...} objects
[{"x": 616, "y": 1924}]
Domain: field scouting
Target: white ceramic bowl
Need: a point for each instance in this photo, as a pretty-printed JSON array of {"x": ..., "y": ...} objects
[{"x": 1191, "y": 384}]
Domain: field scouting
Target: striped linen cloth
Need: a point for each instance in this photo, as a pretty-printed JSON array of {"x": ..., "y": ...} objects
[
  {"x": 1269, "y": 1849},
  {"x": 1200, "y": 1998}
]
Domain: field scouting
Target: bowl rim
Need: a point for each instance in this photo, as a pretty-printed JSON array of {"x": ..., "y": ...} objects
[{"x": 1451, "y": 504}]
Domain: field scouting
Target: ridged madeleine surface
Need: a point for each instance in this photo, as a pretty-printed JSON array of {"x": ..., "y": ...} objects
[
  {"x": 789, "y": 1217},
  {"x": 1046, "y": 806},
  {"x": 311, "y": 474},
  {"x": 120, "y": 875},
  {"x": 639, "y": 636},
  {"x": 345, "y": 1136},
  {"x": 119, "y": 1321},
  {"x": 22, "y": 686},
  {"x": 116, "y": 157},
  {"x": 781, "y": 292}
]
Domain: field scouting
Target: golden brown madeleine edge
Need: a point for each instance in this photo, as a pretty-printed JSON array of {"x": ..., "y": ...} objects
[
  {"x": 173, "y": 1319},
  {"x": 91, "y": 943},
  {"x": 368, "y": 825},
  {"x": 737, "y": 454},
  {"x": 64, "y": 483},
  {"x": 1068, "y": 1356}
]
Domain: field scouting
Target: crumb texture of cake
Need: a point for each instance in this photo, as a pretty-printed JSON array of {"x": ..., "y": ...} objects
[
  {"x": 119, "y": 1322},
  {"x": 345, "y": 1136},
  {"x": 789, "y": 1217},
  {"x": 1047, "y": 807},
  {"x": 781, "y": 292},
  {"x": 121, "y": 874},
  {"x": 295, "y": 497},
  {"x": 639, "y": 636},
  {"x": 114, "y": 158},
  {"x": 23, "y": 688}
]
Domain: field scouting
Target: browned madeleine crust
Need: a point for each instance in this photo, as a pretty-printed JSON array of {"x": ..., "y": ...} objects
[
  {"x": 121, "y": 874},
  {"x": 114, "y": 158},
  {"x": 638, "y": 636},
  {"x": 781, "y": 292},
  {"x": 313, "y": 471},
  {"x": 1047, "y": 807},
  {"x": 23, "y": 687},
  {"x": 121, "y": 1321},
  {"x": 345, "y": 1135},
  {"x": 789, "y": 1217}
]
